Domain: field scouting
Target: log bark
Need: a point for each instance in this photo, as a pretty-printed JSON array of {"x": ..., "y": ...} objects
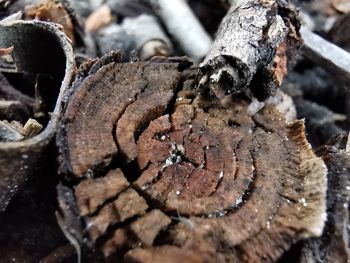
[
  {"x": 253, "y": 44},
  {"x": 160, "y": 173}
]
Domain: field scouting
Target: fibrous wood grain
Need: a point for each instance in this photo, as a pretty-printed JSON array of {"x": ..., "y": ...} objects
[{"x": 193, "y": 180}]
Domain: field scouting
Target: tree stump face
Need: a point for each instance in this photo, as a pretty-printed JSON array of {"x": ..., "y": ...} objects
[{"x": 162, "y": 174}]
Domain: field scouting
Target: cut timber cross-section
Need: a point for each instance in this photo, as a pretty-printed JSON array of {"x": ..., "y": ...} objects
[{"x": 161, "y": 173}]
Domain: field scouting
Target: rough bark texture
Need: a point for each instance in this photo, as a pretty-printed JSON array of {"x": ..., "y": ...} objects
[
  {"x": 193, "y": 181},
  {"x": 39, "y": 48},
  {"x": 333, "y": 246},
  {"x": 251, "y": 48}
]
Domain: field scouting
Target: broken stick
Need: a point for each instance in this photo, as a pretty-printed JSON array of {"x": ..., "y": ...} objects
[
  {"x": 331, "y": 57},
  {"x": 149, "y": 37},
  {"x": 183, "y": 25},
  {"x": 251, "y": 49}
]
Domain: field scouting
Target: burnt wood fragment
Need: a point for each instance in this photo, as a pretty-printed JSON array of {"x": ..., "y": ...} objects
[
  {"x": 253, "y": 44},
  {"x": 198, "y": 181}
]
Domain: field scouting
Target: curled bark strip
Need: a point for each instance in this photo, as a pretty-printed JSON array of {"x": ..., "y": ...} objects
[
  {"x": 333, "y": 245},
  {"x": 250, "y": 50},
  {"x": 207, "y": 183},
  {"x": 32, "y": 41}
]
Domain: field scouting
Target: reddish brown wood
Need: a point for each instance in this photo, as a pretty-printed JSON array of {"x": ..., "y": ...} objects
[{"x": 207, "y": 182}]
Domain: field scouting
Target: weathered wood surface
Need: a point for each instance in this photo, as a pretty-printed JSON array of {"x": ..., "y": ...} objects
[
  {"x": 331, "y": 57},
  {"x": 254, "y": 42},
  {"x": 192, "y": 180}
]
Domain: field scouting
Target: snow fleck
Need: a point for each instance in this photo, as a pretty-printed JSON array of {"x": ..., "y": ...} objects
[
  {"x": 239, "y": 200},
  {"x": 145, "y": 186},
  {"x": 89, "y": 173},
  {"x": 303, "y": 201},
  {"x": 268, "y": 224},
  {"x": 181, "y": 148},
  {"x": 348, "y": 188},
  {"x": 177, "y": 192},
  {"x": 168, "y": 162},
  {"x": 162, "y": 138},
  {"x": 221, "y": 174},
  {"x": 180, "y": 99},
  {"x": 25, "y": 156},
  {"x": 221, "y": 213}
]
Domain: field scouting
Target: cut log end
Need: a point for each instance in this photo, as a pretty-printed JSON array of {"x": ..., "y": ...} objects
[{"x": 186, "y": 179}]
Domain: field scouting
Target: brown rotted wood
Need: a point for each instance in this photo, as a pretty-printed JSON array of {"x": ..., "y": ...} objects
[{"x": 192, "y": 180}]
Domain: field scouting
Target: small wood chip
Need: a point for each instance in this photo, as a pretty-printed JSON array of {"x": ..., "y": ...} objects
[
  {"x": 5, "y": 51},
  {"x": 101, "y": 17},
  {"x": 31, "y": 128},
  {"x": 342, "y": 6}
]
